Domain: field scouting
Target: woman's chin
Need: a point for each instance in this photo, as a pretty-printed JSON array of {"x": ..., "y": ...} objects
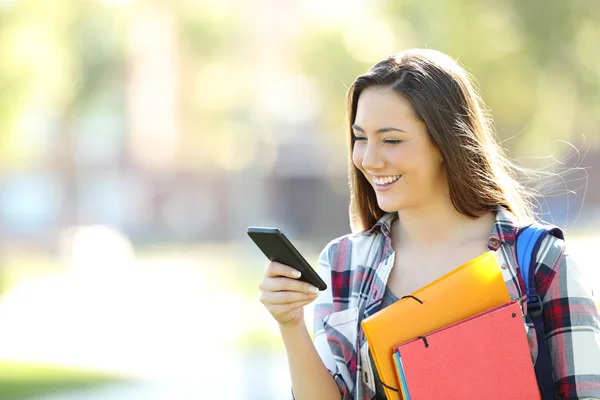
[{"x": 389, "y": 207}]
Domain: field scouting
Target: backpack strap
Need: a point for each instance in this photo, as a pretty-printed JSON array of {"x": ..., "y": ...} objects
[{"x": 529, "y": 240}]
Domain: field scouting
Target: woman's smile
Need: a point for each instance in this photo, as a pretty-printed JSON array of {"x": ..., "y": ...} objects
[{"x": 382, "y": 183}]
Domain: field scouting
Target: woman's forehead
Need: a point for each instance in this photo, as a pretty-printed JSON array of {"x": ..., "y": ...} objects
[{"x": 378, "y": 106}]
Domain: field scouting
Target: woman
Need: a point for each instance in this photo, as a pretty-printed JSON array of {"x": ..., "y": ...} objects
[{"x": 430, "y": 190}]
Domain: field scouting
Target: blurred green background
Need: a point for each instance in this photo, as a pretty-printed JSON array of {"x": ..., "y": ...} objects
[{"x": 139, "y": 139}]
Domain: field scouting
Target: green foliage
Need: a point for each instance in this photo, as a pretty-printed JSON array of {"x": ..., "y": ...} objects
[
  {"x": 24, "y": 381},
  {"x": 208, "y": 32},
  {"x": 325, "y": 58},
  {"x": 56, "y": 54},
  {"x": 536, "y": 61}
]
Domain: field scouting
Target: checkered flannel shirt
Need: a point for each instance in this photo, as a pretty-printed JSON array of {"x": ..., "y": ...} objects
[{"x": 356, "y": 268}]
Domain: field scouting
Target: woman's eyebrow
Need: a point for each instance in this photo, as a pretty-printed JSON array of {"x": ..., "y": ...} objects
[{"x": 380, "y": 130}]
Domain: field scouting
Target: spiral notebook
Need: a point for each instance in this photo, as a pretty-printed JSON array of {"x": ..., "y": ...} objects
[{"x": 483, "y": 357}]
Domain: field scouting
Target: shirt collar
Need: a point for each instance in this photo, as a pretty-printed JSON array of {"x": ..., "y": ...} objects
[
  {"x": 384, "y": 224},
  {"x": 504, "y": 230}
]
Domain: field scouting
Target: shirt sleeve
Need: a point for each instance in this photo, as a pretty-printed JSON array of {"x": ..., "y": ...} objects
[
  {"x": 571, "y": 320},
  {"x": 323, "y": 306}
]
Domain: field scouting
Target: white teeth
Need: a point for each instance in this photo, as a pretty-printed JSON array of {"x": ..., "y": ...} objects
[{"x": 386, "y": 180}]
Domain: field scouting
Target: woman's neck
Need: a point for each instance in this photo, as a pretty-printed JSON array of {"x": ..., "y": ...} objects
[{"x": 438, "y": 226}]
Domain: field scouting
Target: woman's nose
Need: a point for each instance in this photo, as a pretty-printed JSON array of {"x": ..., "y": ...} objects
[{"x": 372, "y": 160}]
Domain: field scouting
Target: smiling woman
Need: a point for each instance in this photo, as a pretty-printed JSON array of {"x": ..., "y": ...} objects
[
  {"x": 433, "y": 99},
  {"x": 393, "y": 152},
  {"x": 431, "y": 189}
]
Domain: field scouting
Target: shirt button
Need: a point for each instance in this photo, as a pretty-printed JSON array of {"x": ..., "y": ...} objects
[
  {"x": 494, "y": 242},
  {"x": 504, "y": 266}
]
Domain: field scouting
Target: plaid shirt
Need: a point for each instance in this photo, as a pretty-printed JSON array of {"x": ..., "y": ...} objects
[{"x": 356, "y": 268}]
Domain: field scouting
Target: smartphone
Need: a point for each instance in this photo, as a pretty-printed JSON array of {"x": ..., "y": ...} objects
[{"x": 277, "y": 247}]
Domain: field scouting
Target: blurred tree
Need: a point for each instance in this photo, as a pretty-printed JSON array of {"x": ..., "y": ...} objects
[
  {"x": 561, "y": 37},
  {"x": 214, "y": 75},
  {"x": 327, "y": 60},
  {"x": 534, "y": 61},
  {"x": 56, "y": 56},
  {"x": 59, "y": 56}
]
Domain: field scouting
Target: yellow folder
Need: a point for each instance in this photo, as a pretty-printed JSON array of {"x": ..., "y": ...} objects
[{"x": 470, "y": 289}]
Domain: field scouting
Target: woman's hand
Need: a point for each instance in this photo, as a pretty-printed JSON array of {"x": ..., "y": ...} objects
[{"x": 284, "y": 295}]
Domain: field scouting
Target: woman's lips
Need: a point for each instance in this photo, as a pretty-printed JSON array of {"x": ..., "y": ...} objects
[{"x": 386, "y": 186}]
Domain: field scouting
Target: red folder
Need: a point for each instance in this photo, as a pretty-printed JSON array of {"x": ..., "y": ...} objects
[{"x": 482, "y": 357}]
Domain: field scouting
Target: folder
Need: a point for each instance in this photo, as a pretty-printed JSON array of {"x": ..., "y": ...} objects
[
  {"x": 483, "y": 357},
  {"x": 401, "y": 376},
  {"x": 469, "y": 289}
]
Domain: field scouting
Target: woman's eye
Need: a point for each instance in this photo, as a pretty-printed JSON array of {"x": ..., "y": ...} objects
[
  {"x": 357, "y": 138},
  {"x": 392, "y": 141}
]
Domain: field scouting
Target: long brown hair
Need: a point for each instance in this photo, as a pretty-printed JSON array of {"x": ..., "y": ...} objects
[{"x": 444, "y": 97}]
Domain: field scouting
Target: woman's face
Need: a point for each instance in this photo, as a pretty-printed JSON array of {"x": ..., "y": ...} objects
[{"x": 394, "y": 152}]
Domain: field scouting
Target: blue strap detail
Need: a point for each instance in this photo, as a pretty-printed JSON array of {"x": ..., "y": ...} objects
[
  {"x": 529, "y": 240},
  {"x": 526, "y": 241}
]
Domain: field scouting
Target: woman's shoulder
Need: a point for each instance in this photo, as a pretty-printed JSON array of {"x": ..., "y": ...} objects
[
  {"x": 553, "y": 245},
  {"x": 554, "y": 257}
]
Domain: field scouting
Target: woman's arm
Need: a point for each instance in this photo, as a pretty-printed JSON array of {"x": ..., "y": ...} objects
[
  {"x": 310, "y": 378},
  {"x": 284, "y": 297}
]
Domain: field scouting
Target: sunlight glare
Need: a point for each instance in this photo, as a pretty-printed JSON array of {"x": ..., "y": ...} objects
[{"x": 333, "y": 12}]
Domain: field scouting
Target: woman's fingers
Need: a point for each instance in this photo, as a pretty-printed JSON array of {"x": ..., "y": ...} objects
[
  {"x": 277, "y": 269},
  {"x": 283, "y": 295},
  {"x": 286, "y": 297},
  {"x": 278, "y": 310},
  {"x": 279, "y": 284}
]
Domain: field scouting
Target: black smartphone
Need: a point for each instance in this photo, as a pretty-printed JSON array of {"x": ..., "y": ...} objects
[{"x": 277, "y": 247}]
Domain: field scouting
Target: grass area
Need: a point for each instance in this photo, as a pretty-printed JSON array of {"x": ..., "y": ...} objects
[
  {"x": 228, "y": 270},
  {"x": 20, "y": 267},
  {"x": 24, "y": 381}
]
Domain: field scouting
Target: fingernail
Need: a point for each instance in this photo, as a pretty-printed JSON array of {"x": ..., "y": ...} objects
[
  {"x": 313, "y": 289},
  {"x": 296, "y": 273}
]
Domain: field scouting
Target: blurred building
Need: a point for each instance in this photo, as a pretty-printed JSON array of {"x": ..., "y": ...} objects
[{"x": 169, "y": 143}]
